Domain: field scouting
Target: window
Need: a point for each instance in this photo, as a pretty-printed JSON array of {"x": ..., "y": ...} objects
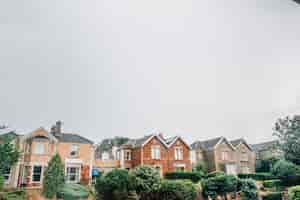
[
  {"x": 73, "y": 174},
  {"x": 225, "y": 155},
  {"x": 127, "y": 155},
  {"x": 155, "y": 152},
  {"x": 36, "y": 173},
  {"x": 6, "y": 175},
  {"x": 244, "y": 156},
  {"x": 74, "y": 150},
  {"x": 179, "y": 169},
  {"x": 178, "y": 153},
  {"x": 105, "y": 156},
  {"x": 39, "y": 148}
]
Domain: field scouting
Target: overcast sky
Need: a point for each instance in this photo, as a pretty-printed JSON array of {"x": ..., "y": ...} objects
[{"x": 197, "y": 68}]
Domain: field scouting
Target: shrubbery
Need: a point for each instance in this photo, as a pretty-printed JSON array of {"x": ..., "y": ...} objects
[
  {"x": 115, "y": 185},
  {"x": 193, "y": 176},
  {"x": 273, "y": 183},
  {"x": 294, "y": 193},
  {"x": 248, "y": 190},
  {"x": 257, "y": 176},
  {"x": 201, "y": 166},
  {"x": 72, "y": 192},
  {"x": 177, "y": 190},
  {"x": 214, "y": 174},
  {"x": 272, "y": 196},
  {"x": 284, "y": 168},
  {"x": 1, "y": 182},
  {"x": 265, "y": 165}
]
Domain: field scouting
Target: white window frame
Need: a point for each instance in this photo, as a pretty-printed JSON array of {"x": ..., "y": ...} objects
[
  {"x": 155, "y": 152},
  {"x": 74, "y": 148},
  {"x": 77, "y": 176},
  {"x": 32, "y": 174},
  {"x": 105, "y": 155},
  {"x": 225, "y": 155},
  {"x": 39, "y": 148},
  {"x": 127, "y": 155},
  {"x": 178, "y": 151}
]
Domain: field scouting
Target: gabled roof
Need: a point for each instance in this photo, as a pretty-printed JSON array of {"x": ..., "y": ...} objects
[
  {"x": 172, "y": 140},
  {"x": 211, "y": 143},
  {"x": 264, "y": 145},
  {"x": 239, "y": 141}
]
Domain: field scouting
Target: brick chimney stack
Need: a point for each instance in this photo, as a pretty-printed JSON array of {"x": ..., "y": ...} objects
[{"x": 56, "y": 129}]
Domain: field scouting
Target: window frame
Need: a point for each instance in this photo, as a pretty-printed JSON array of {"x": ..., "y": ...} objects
[
  {"x": 127, "y": 155},
  {"x": 225, "y": 156},
  {"x": 33, "y": 174},
  {"x": 37, "y": 150},
  {"x": 178, "y": 151},
  {"x": 76, "y": 151},
  {"x": 77, "y": 174},
  {"x": 155, "y": 152}
]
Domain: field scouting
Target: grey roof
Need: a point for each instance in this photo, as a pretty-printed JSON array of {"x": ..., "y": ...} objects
[
  {"x": 73, "y": 138},
  {"x": 236, "y": 142},
  {"x": 264, "y": 145},
  {"x": 138, "y": 142},
  {"x": 207, "y": 144},
  {"x": 169, "y": 140}
]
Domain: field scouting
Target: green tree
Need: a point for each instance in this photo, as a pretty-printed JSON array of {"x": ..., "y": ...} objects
[
  {"x": 288, "y": 131},
  {"x": 284, "y": 168},
  {"x": 9, "y": 155},
  {"x": 54, "y": 177}
]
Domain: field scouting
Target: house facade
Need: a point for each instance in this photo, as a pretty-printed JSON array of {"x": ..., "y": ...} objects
[
  {"x": 221, "y": 154},
  {"x": 39, "y": 146},
  {"x": 165, "y": 154}
]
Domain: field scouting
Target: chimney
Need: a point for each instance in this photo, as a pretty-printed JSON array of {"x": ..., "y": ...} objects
[{"x": 58, "y": 127}]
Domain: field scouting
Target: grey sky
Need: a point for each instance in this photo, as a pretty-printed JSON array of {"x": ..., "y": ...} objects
[{"x": 198, "y": 68}]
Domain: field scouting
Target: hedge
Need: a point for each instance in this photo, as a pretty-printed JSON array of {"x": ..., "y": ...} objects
[
  {"x": 73, "y": 191},
  {"x": 193, "y": 176},
  {"x": 272, "y": 196},
  {"x": 272, "y": 183},
  {"x": 258, "y": 176},
  {"x": 172, "y": 190},
  {"x": 214, "y": 174},
  {"x": 294, "y": 193}
]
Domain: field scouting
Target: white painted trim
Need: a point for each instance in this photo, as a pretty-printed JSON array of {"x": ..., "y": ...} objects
[
  {"x": 42, "y": 173},
  {"x": 175, "y": 140},
  {"x": 159, "y": 138},
  {"x": 228, "y": 142}
]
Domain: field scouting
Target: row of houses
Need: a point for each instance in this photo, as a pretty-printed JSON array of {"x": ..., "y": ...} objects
[{"x": 81, "y": 162}]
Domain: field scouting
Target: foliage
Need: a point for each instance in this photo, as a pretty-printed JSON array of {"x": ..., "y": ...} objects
[
  {"x": 214, "y": 174},
  {"x": 257, "y": 176},
  {"x": 1, "y": 182},
  {"x": 193, "y": 176},
  {"x": 201, "y": 166},
  {"x": 9, "y": 155},
  {"x": 265, "y": 165},
  {"x": 294, "y": 193},
  {"x": 288, "y": 131},
  {"x": 272, "y": 196},
  {"x": 115, "y": 184},
  {"x": 54, "y": 176},
  {"x": 219, "y": 185},
  {"x": 272, "y": 183},
  {"x": 290, "y": 181},
  {"x": 147, "y": 179},
  {"x": 72, "y": 192},
  {"x": 13, "y": 195},
  {"x": 177, "y": 190},
  {"x": 248, "y": 189},
  {"x": 284, "y": 168}
]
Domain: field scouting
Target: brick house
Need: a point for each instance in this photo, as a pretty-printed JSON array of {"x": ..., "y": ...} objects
[
  {"x": 165, "y": 154},
  {"x": 221, "y": 155},
  {"x": 38, "y": 147},
  {"x": 245, "y": 156}
]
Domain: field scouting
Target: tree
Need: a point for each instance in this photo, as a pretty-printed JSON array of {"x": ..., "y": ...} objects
[
  {"x": 284, "y": 168},
  {"x": 9, "y": 155},
  {"x": 288, "y": 131},
  {"x": 54, "y": 177}
]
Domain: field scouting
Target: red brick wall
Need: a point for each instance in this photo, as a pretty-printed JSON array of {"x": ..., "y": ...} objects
[{"x": 186, "y": 156}]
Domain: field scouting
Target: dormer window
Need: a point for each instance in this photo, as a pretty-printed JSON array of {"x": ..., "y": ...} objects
[
  {"x": 39, "y": 148},
  {"x": 155, "y": 152},
  {"x": 74, "y": 150}
]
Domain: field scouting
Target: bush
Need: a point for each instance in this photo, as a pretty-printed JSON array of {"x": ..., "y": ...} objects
[
  {"x": 193, "y": 176},
  {"x": 214, "y": 174},
  {"x": 147, "y": 179},
  {"x": 201, "y": 166},
  {"x": 1, "y": 182},
  {"x": 72, "y": 192},
  {"x": 115, "y": 184},
  {"x": 248, "y": 189},
  {"x": 257, "y": 176},
  {"x": 284, "y": 168},
  {"x": 272, "y": 196},
  {"x": 54, "y": 177},
  {"x": 294, "y": 193},
  {"x": 177, "y": 190},
  {"x": 13, "y": 195},
  {"x": 265, "y": 165},
  {"x": 272, "y": 183},
  {"x": 290, "y": 181},
  {"x": 219, "y": 185}
]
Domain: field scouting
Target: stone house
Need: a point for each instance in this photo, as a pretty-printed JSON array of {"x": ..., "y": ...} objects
[
  {"x": 38, "y": 147},
  {"x": 221, "y": 155}
]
